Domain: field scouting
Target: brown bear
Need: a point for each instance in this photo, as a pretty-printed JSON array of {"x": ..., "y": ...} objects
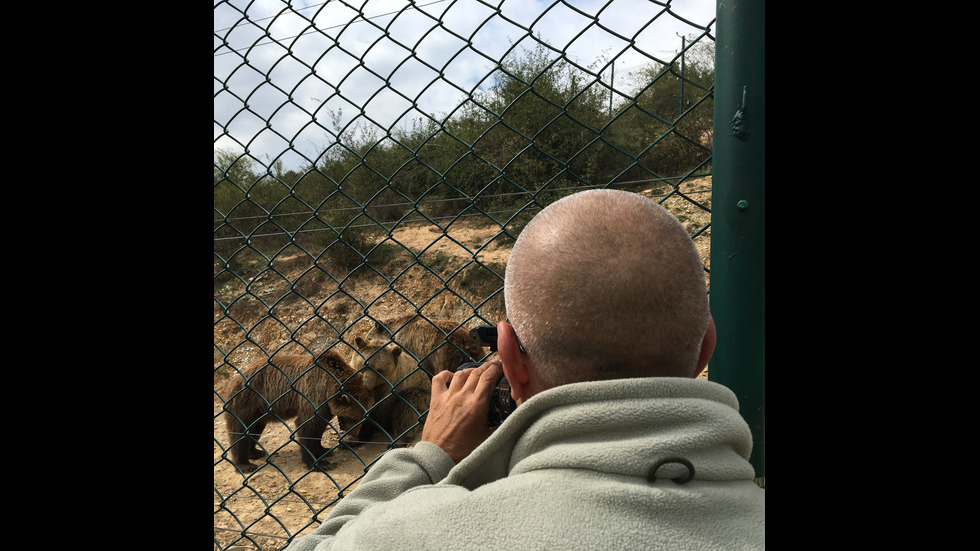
[
  {"x": 310, "y": 389},
  {"x": 432, "y": 346}
]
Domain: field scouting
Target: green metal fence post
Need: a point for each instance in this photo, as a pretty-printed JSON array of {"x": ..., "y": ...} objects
[{"x": 738, "y": 218}]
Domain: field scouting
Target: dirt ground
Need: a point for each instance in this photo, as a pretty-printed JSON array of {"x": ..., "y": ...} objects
[{"x": 282, "y": 498}]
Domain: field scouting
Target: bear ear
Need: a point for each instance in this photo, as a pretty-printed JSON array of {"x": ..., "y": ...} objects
[
  {"x": 361, "y": 343},
  {"x": 395, "y": 352}
]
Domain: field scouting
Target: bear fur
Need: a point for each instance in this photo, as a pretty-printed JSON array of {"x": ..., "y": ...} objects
[
  {"x": 311, "y": 390},
  {"x": 432, "y": 346}
]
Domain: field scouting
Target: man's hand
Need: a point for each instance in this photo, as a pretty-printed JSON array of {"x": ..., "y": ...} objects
[{"x": 457, "y": 420}]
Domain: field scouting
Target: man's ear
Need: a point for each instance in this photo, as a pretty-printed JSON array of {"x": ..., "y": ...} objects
[
  {"x": 515, "y": 362},
  {"x": 707, "y": 346}
]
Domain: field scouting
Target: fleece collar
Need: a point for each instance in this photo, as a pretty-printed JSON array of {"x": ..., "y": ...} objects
[{"x": 621, "y": 427}]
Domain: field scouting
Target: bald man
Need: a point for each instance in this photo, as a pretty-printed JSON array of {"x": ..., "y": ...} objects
[{"x": 614, "y": 444}]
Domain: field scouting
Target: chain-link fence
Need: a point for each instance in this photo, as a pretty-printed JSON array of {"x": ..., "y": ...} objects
[{"x": 374, "y": 162}]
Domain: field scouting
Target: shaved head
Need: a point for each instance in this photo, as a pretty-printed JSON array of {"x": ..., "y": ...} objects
[{"x": 607, "y": 284}]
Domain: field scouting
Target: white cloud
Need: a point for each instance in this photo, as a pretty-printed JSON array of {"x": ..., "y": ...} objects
[{"x": 284, "y": 78}]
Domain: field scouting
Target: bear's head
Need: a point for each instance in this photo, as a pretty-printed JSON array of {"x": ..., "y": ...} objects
[{"x": 376, "y": 362}]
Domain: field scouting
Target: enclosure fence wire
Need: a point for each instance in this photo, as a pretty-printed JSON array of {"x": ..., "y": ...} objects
[{"x": 343, "y": 134}]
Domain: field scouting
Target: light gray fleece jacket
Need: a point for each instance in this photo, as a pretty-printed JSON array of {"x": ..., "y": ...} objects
[{"x": 570, "y": 469}]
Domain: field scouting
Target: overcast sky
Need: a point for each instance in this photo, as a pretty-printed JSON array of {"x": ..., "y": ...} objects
[{"x": 283, "y": 92}]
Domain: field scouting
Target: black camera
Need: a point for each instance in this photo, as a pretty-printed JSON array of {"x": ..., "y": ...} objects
[{"x": 501, "y": 403}]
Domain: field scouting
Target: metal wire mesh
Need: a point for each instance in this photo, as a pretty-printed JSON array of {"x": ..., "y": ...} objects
[{"x": 374, "y": 162}]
